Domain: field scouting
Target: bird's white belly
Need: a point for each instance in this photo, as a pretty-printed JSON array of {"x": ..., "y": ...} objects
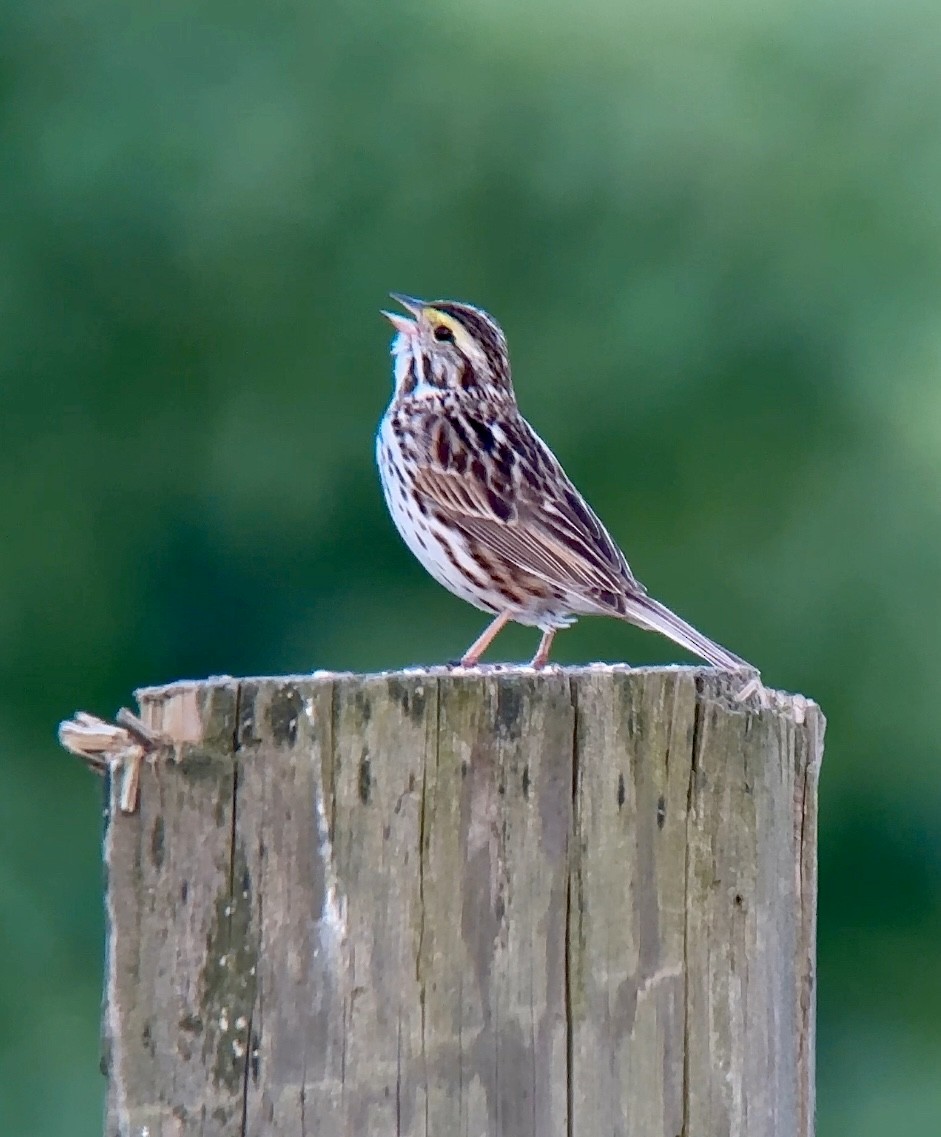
[{"x": 422, "y": 534}]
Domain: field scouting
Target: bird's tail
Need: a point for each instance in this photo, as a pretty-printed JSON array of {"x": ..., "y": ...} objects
[{"x": 656, "y": 617}]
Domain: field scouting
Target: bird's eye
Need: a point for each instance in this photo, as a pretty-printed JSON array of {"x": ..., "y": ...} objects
[{"x": 443, "y": 334}]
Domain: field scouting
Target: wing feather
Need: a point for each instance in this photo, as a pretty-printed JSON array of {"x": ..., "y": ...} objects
[{"x": 518, "y": 503}]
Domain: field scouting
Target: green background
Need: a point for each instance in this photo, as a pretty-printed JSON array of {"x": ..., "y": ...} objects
[{"x": 712, "y": 232}]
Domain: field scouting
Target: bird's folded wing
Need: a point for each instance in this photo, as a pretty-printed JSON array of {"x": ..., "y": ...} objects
[{"x": 547, "y": 539}]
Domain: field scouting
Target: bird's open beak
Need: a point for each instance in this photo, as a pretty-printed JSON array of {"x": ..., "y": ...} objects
[
  {"x": 409, "y": 303},
  {"x": 402, "y": 323}
]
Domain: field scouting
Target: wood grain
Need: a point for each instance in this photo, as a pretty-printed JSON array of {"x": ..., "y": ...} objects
[{"x": 496, "y": 903}]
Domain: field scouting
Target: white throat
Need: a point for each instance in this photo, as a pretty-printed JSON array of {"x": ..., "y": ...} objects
[{"x": 405, "y": 354}]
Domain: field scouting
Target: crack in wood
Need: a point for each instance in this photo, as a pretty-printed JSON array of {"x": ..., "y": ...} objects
[{"x": 571, "y": 862}]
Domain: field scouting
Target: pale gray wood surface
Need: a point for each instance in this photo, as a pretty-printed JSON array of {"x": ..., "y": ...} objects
[{"x": 572, "y": 904}]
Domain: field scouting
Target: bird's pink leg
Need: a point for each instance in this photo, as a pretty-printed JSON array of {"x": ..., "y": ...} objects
[
  {"x": 471, "y": 657},
  {"x": 541, "y": 658}
]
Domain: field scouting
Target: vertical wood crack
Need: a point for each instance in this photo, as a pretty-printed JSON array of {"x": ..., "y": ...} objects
[
  {"x": 236, "y": 746},
  {"x": 806, "y": 759},
  {"x": 571, "y": 854},
  {"x": 230, "y": 908},
  {"x": 422, "y": 840},
  {"x": 695, "y": 744},
  {"x": 398, "y": 1077}
]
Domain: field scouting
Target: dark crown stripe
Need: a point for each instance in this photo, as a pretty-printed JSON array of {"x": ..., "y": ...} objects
[
  {"x": 484, "y": 330},
  {"x": 478, "y": 323}
]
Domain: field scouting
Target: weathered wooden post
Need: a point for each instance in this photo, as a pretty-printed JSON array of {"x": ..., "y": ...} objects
[{"x": 578, "y": 903}]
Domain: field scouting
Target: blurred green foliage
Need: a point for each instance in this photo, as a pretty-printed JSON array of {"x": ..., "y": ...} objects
[{"x": 712, "y": 233}]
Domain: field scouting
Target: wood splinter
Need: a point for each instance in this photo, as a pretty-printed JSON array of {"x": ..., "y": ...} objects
[{"x": 109, "y": 748}]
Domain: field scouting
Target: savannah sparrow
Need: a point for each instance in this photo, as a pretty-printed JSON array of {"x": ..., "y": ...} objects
[{"x": 482, "y": 501}]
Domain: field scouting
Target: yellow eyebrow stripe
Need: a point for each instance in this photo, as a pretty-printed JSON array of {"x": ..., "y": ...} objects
[
  {"x": 462, "y": 337},
  {"x": 439, "y": 319}
]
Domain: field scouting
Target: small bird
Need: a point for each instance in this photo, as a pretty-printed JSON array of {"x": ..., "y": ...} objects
[{"x": 482, "y": 501}]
